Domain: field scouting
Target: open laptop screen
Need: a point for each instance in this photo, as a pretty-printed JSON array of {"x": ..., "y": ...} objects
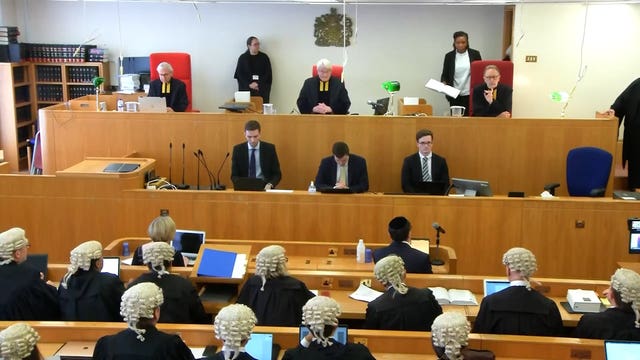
[
  {"x": 341, "y": 335},
  {"x": 621, "y": 350},
  {"x": 188, "y": 242},
  {"x": 38, "y": 262},
  {"x": 260, "y": 346},
  {"x": 492, "y": 286},
  {"x": 111, "y": 264}
]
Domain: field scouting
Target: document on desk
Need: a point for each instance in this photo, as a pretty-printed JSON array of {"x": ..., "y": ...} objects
[
  {"x": 453, "y": 296},
  {"x": 224, "y": 264},
  {"x": 440, "y": 87},
  {"x": 365, "y": 293}
]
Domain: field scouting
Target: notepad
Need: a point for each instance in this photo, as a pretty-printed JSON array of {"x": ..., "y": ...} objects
[{"x": 453, "y": 296}]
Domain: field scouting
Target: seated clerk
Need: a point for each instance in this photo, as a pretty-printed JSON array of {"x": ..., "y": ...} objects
[
  {"x": 492, "y": 98},
  {"x": 140, "y": 308},
  {"x": 323, "y": 94},
  {"x": 233, "y": 326},
  {"x": 400, "y": 307},
  {"x": 622, "y": 320},
  {"x": 25, "y": 295},
  {"x": 86, "y": 293},
  {"x": 449, "y": 338},
  {"x": 415, "y": 261},
  {"x": 275, "y": 297},
  {"x": 256, "y": 158},
  {"x": 343, "y": 170},
  {"x": 320, "y": 315},
  {"x": 425, "y": 165},
  {"x": 173, "y": 90},
  {"x": 181, "y": 301},
  {"x": 518, "y": 309},
  {"x": 19, "y": 341},
  {"x": 162, "y": 228}
]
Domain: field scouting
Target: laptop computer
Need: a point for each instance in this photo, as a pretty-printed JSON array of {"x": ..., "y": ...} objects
[
  {"x": 248, "y": 184},
  {"x": 494, "y": 285},
  {"x": 38, "y": 262},
  {"x": 76, "y": 350},
  {"x": 341, "y": 335},
  {"x": 621, "y": 350},
  {"x": 188, "y": 242},
  {"x": 111, "y": 264},
  {"x": 152, "y": 104},
  {"x": 431, "y": 187},
  {"x": 261, "y": 346},
  {"x": 335, "y": 191}
]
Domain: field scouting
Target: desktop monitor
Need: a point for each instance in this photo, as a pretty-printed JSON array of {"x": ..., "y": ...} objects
[
  {"x": 382, "y": 106},
  {"x": 471, "y": 187}
]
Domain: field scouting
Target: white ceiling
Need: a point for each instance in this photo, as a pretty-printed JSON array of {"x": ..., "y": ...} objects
[{"x": 378, "y": 2}]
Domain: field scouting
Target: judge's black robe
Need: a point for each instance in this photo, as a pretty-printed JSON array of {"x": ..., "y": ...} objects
[{"x": 310, "y": 96}]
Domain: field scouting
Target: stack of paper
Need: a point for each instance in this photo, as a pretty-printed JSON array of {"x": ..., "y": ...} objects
[{"x": 440, "y": 87}]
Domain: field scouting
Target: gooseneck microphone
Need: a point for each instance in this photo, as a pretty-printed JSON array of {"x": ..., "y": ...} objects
[
  {"x": 204, "y": 163},
  {"x": 170, "y": 159},
  {"x": 219, "y": 185},
  {"x": 439, "y": 229},
  {"x": 198, "y": 173},
  {"x": 182, "y": 186}
]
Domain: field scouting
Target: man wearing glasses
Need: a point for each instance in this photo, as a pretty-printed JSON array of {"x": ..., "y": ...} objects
[
  {"x": 423, "y": 166},
  {"x": 173, "y": 90},
  {"x": 492, "y": 99}
]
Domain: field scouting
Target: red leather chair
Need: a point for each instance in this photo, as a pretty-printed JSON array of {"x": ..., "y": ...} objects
[
  {"x": 336, "y": 71},
  {"x": 181, "y": 63},
  {"x": 477, "y": 70}
]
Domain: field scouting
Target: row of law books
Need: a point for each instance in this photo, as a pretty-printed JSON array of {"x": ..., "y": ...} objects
[
  {"x": 9, "y": 35},
  {"x": 50, "y": 93},
  {"x": 57, "y": 53}
]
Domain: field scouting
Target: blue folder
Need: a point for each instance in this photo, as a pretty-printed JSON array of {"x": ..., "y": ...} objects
[{"x": 217, "y": 263}]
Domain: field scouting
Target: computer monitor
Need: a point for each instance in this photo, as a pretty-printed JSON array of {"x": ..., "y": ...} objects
[
  {"x": 260, "y": 346},
  {"x": 494, "y": 285},
  {"x": 188, "y": 242},
  {"x": 111, "y": 264},
  {"x": 469, "y": 187},
  {"x": 621, "y": 350},
  {"x": 381, "y": 107},
  {"x": 634, "y": 243}
]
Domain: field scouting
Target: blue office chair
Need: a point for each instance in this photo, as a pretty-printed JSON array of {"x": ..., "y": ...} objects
[{"x": 588, "y": 170}]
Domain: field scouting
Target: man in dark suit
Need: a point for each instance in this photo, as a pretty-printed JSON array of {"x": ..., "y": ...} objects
[
  {"x": 519, "y": 309},
  {"x": 173, "y": 90},
  {"x": 343, "y": 170},
  {"x": 255, "y": 158},
  {"x": 323, "y": 94},
  {"x": 415, "y": 261},
  {"x": 423, "y": 166}
]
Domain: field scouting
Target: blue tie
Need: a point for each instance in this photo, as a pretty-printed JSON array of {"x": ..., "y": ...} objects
[{"x": 252, "y": 164}]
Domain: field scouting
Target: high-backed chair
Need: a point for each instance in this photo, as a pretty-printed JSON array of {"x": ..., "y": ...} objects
[
  {"x": 181, "y": 63},
  {"x": 336, "y": 71},
  {"x": 588, "y": 170},
  {"x": 477, "y": 71}
]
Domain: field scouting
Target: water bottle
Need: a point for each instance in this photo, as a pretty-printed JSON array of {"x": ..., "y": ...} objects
[
  {"x": 120, "y": 105},
  {"x": 312, "y": 187},
  {"x": 125, "y": 249},
  {"x": 360, "y": 251}
]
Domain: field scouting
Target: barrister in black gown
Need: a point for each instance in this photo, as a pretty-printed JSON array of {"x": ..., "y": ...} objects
[
  {"x": 173, "y": 90},
  {"x": 323, "y": 94},
  {"x": 253, "y": 71},
  {"x": 275, "y": 297},
  {"x": 233, "y": 325},
  {"x": 518, "y": 309},
  {"x": 181, "y": 301},
  {"x": 25, "y": 295},
  {"x": 622, "y": 320},
  {"x": 450, "y": 338},
  {"x": 321, "y": 316},
  {"x": 85, "y": 293},
  {"x": 140, "y": 308},
  {"x": 400, "y": 307},
  {"x": 162, "y": 228},
  {"x": 19, "y": 341}
]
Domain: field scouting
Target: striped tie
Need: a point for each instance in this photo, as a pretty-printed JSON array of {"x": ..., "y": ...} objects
[{"x": 426, "y": 171}]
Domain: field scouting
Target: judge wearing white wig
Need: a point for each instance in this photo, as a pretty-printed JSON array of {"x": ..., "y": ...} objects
[
  {"x": 233, "y": 325},
  {"x": 140, "y": 308},
  {"x": 19, "y": 341},
  {"x": 449, "y": 334},
  {"x": 24, "y": 295},
  {"x": 86, "y": 293},
  {"x": 519, "y": 309},
  {"x": 181, "y": 301},
  {"x": 400, "y": 307},
  {"x": 622, "y": 320},
  {"x": 275, "y": 297},
  {"x": 320, "y": 316}
]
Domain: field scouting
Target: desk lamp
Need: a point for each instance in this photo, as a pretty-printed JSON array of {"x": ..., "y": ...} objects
[{"x": 392, "y": 87}]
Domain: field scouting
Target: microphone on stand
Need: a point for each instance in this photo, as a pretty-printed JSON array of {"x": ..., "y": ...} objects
[
  {"x": 170, "y": 159},
  {"x": 198, "y": 173},
  {"x": 219, "y": 185},
  {"x": 439, "y": 229},
  {"x": 204, "y": 163},
  {"x": 182, "y": 186}
]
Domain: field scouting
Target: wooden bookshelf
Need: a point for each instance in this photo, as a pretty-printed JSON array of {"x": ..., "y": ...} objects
[
  {"x": 17, "y": 113},
  {"x": 60, "y": 82}
]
